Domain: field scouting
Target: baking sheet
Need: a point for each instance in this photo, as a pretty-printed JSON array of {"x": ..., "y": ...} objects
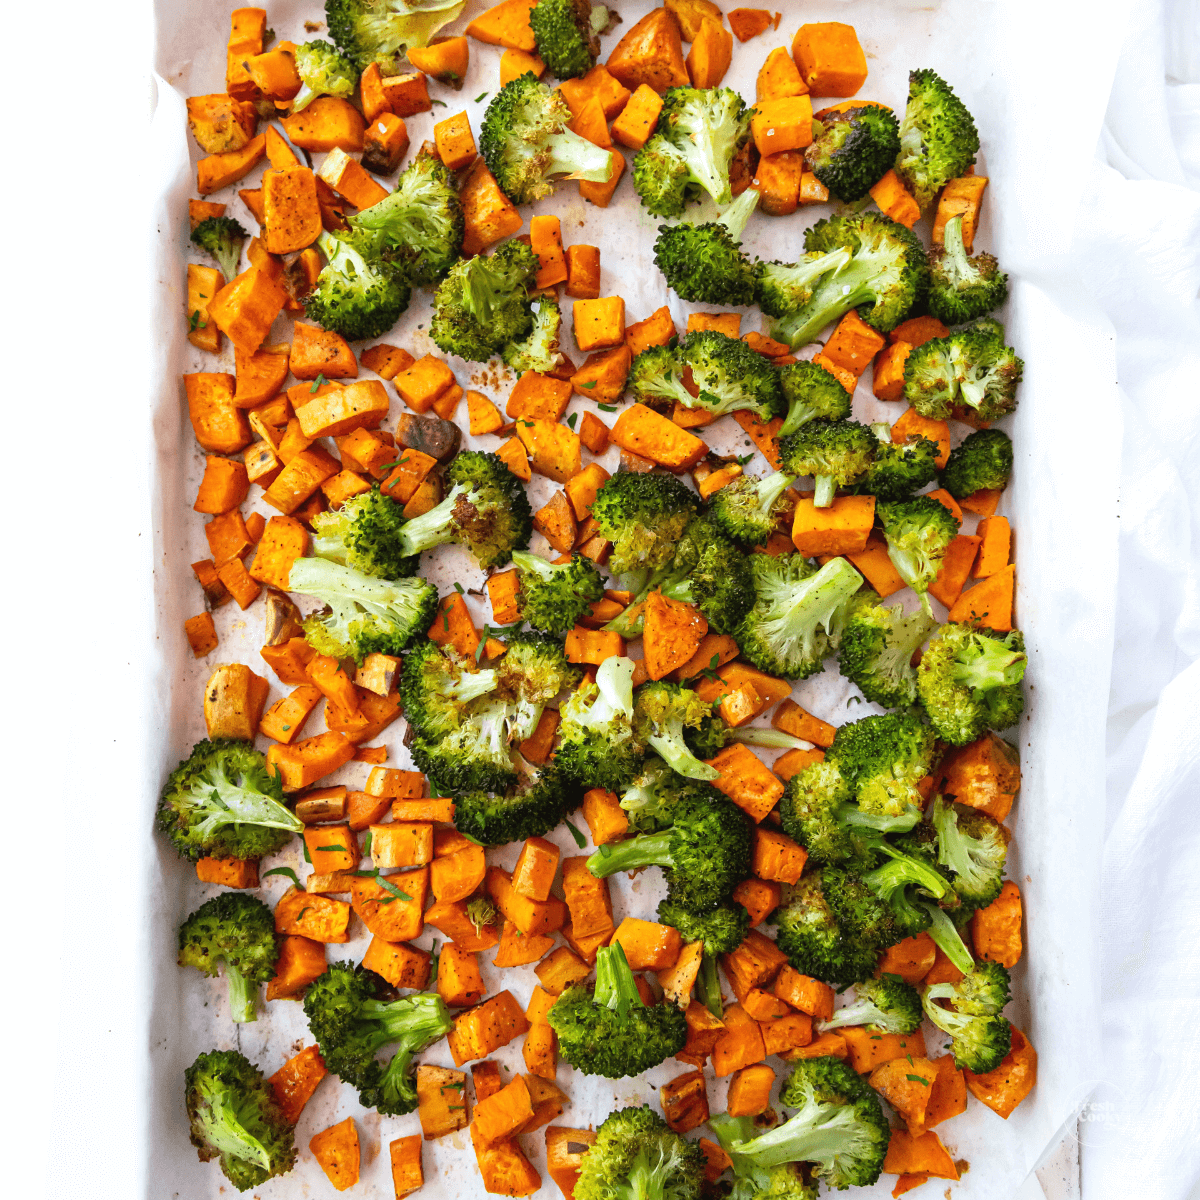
[{"x": 1011, "y": 64}]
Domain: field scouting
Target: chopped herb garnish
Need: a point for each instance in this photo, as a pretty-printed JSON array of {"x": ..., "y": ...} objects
[
  {"x": 744, "y": 459},
  {"x": 572, "y": 419},
  {"x": 302, "y": 912},
  {"x": 446, "y": 621},
  {"x": 286, "y": 728},
  {"x": 388, "y": 886},
  {"x": 367, "y": 842},
  {"x": 479, "y": 97},
  {"x": 320, "y": 379},
  {"x": 917, "y": 1079},
  {"x": 606, "y": 407},
  {"x": 591, "y": 383},
  {"x": 289, "y": 873},
  {"x": 332, "y": 849},
  {"x": 458, "y": 587},
  {"x": 195, "y": 323},
  {"x": 441, "y": 103},
  {"x": 580, "y": 840},
  {"x": 307, "y": 856}
]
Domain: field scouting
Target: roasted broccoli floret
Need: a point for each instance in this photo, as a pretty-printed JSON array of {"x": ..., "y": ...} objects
[
  {"x": 661, "y": 713},
  {"x": 813, "y": 800},
  {"x": 486, "y": 510},
  {"x": 636, "y": 1157},
  {"x": 812, "y": 393},
  {"x": 643, "y": 515},
  {"x": 721, "y": 929},
  {"x": 222, "y": 237},
  {"x": 814, "y": 940},
  {"x": 650, "y": 798},
  {"x": 883, "y": 759},
  {"x": 555, "y": 595},
  {"x": 938, "y": 138},
  {"x": 699, "y": 132},
  {"x": 483, "y": 303},
  {"x": 596, "y": 745},
  {"x": 365, "y": 615},
  {"x": 972, "y": 368},
  {"x": 705, "y": 263},
  {"x": 884, "y": 1005},
  {"x": 538, "y": 350},
  {"x": 893, "y": 900},
  {"x": 351, "y": 1019},
  {"x": 853, "y": 150},
  {"x": 899, "y": 471},
  {"x": 365, "y": 535},
  {"x": 705, "y": 852},
  {"x": 239, "y": 931},
  {"x": 855, "y": 260},
  {"x": 749, "y": 510},
  {"x": 918, "y": 533},
  {"x": 730, "y": 376},
  {"x": 656, "y": 374},
  {"x": 607, "y": 1029},
  {"x": 538, "y": 803},
  {"x": 838, "y": 454},
  {"x": 368, "y": 31},
  {"x": 354, "y": 296},
  {"x": 974, "y": 848},
  {"x": 980, "y": 1036},
  {"x": 564, "y": 36},
  {"x": 877, "y": 647},
  {"x": 524, "y": 140},
  {"x": 984, "y": 459},
  {"x": 962, "y": 288},
  {"x": 797, "y": 620},
  {"x": 969, "y": 681},
  {"x": 420, "y": 225},
  {"x": 466, "y": 723},
  {"x": 839, "y": 1127},
  {"x": 714, "y": 735},
  {"x": 323, "y": 72},
  {"x": 221, "y": 802},
  {"x": 234, "y": 1117}
]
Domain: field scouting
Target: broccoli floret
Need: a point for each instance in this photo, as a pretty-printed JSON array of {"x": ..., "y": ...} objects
[
  {"x": 555, "y": 595},
  {"x": 881, "y": 270},
  {"x": 234, "y": 1117},
  {"x": 918, "y": 532},
  {"x": 884, "y": 1005},
  {"x": 705, "y": 263},
  {"x": 323, "y": 72},
  {"x": 356, "y": 297},
  {"x": 699, "y": 132},
  {"x": 853, "y": 150},
  {"x": 839, "y": 1127},
  {"x": 596, "y": 744},
  {"x": 661, "y": 713},
  {"x": 524, "y": 140},
  {"x": 798, "y": 617},
  {"x": 980, "y": 1036},
  {"x": 351, "y": 1019},
  {"x": 538, "y": 351},
  {"x": 883, "y": 758},
  {"x": 483, "y": 303},
  {"x": 364, "y": 535},
  {"x": 538, "y": 803},
  {"x": 902, "y": 889},
  {"x": 420, "y": 225},
  {"x": 368, "y": 31},
  {"x": 730, "y": 376},
  {"x": 749, "y": 510},
  {"x": 486, "y": 510},
  {"x": 877, "y": 647},
  {"x": 437, "y": 687},
  {"x": 812, "y": 800},
  {"x": 974, "y": 847},
  {"x": 962, "y": 288},
  {"x": 222, "y": 802},
  {"x": 365, "y": 615},
  {"x": 938, "y": 138},
  {"x": 564, "y": 36},
  {"x": 983, "y": 460},
  {"x": 607, "y": 1029},
  {"x": 838, "y": 454},
  {"x": 650, "y": 798},
  {"x": 816, "y": 944},
  {"x": 636, "y": 1157},
  {"x": 222, "y": 237},
  {"x": 705, "y": 852},
  {"x": 239, "y": 931},
  {"x": 644, "y": 516},
  {"x": 969, "y": 681},
  {"x": 812, "y": 393},
  {"x": 721, "y": 929},
  {"x": 972, "y": 368},
  {"x": 897, "y": 472},
  {"x": 656, "y": 374}
]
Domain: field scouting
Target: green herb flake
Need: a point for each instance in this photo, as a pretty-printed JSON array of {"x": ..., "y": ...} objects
[
  {"x": 289, "y": 873},
  {"x": 367, "y": 842},
  {"x": 572, "y": 419},
  {"x": 388, "y": 886},
  {"x": 606, "y": 407},
  {"x": 580, "y": 840},
  {"x": 307, "y": 856},
  {"x": 479, "y": 97},
  {"x": 331, "y": 849},
  {"x": 591, "y": 383},
  {"x": 917, "y": 1079},
  {"x": 302, "y": 912}
]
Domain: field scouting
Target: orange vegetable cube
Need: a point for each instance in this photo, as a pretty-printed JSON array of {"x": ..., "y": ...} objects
[
  {"x": 782, "y": 124},
  {"x": 895, "y": 199},
  {"x": 779, "y": 77},
  {"x": 605, "y": 818},
  {"x": 746, "y": 780},
  {"x": 648, "y": 946},
  {"x": 455, "y": 141},
  {"x": 996, "y": 929},
  {"x": 841, "y": 528},
  {"x": 710, "y": 55},
  {"x": 829, "y": 58},
  {"x": 638, "y": 119},
  {"x": 750, "y": 1091},
  {"x": 776, "y": 857}
]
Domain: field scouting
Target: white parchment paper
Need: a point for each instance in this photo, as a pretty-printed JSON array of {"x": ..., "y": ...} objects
[{"x": 1014, "y": 64}]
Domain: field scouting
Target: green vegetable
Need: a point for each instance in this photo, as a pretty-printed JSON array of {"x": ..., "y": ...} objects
[
  {"x": 356, "y": 296},
  {"x": 704, "y": 263},
  {"x": 368, "y": 31},
  {"x": 984, "y": 459},
  {"x": 962, "y": 288},
  {"x": 555, "y": 595},
  {"x": 323, "y": 72},
  {"x": 980, "y": 1037},
  {"x": 365, "y": 534},
  {"x": 564, "y": 37},
  {"x": 597, "y": 746},
  {"x": 636, "y": 1157},
  {"x": 938, "y": 139},
  {"x": 877, "y": 647},
  {"x": 853, "y": 150},
  {"x": 222, "y": 237}
]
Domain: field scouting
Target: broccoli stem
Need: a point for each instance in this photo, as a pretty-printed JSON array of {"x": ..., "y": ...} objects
[
  {"x": 860, "y": 1012},
  {"x": 955, "y": 261},
  {"x": 825, "y": 491},
  {"x": 995, "y": 666},
  {"x": 614, "y": 678},
  {"x": 242, "y": 995},
  {"x": 708, "y": 985},
  {"x": 433, "y": 528},
  {"x": 817, "y": 1133},
  {"x": 947, "y": 938},
  {"x": 674, "y": 752},
  {"x": 902, "y": 871},
  {"x": 773, "y": 739},
  {"x": 645, "y": 850},
  {"x": 577, "y": 158},
  {"x": 535, "y": 564},
  {"x": 735, "y": 217},
  {"x": 834, "y": 296},
  {"x": 851, "y": 814},
  {"x": 628, "y": 626},
  {"x": 303, "y": 98},
  {"x": 615, "y": 986},
  {"x": 771, "y": 487}
]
